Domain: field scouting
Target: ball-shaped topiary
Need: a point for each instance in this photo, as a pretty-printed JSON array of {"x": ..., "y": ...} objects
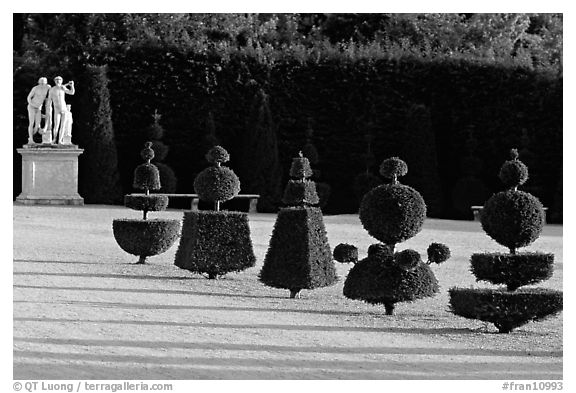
[
  {"x": 217, "y": 184},
  {"x": 438, "y": 253},
  {"x": 392, "y": 213},
  {"x": 513, "y": 173},
  {"x": 513, "y": 218},
  {"x": 392, "y": 168},
  {"x": 217, "y": 155},
  {"x": 345, "y": 253}
]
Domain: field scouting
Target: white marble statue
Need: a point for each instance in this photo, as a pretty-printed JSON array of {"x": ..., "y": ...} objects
[
  {"x": 65, "y": 137},
  {"x": 36, "y": 98},
  {"x": 56, "y": 98}
]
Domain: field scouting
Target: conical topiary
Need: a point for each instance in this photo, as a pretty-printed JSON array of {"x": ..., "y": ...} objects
[
  {"x": 155, "y": 134},
  {"x": 309, "y": 151},
  {"x": 513, "y": 219},
  {"x": 391, "y": 213},
  {"x": 146, "y": 237},
  {"x": 215, "y": 242},
  {"x": 299, "y": 255}
]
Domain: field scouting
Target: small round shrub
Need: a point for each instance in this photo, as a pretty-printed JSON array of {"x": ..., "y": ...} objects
[
  {"x": 345, "y": 253},
  {"x": 392, "y": 213},
  {"x": 146, "y": 177},
  {"x": 513, "y": 218},
  {"x": 217, "y": 155},
  {"x": 506, "y": 310},
  {"x": 393, "y": 167},
  {"x": 217, "y": 184},
  {"x": 298, "y": 193},
  {"x": 145, "y": 238},
  {"x": 147, "y": 153},
  {"x": 438, "y": 253},
  {"x": 513, "y": 173},
  {"x": 407, "y": 259},
  {"x": 150, "y": 202},
  {"x": 512, "y": 270},
  {"x": 380, "y": 251}
]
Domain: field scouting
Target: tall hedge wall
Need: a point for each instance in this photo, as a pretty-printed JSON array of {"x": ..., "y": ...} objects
[{"x": 343, "y": 98}]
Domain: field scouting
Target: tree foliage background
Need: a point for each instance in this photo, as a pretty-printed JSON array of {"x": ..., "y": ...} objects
[{"x": 349, "y": 72}]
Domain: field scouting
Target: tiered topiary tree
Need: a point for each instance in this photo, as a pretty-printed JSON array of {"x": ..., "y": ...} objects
[
  {"x": 391, "y": 213},
  {"x": 299, "y": 255},
  {"x": 146, "y": 237},
  {"x": 155, "y": 134},
  {"x": 514, "y": 219},
  {"x": 311, "y": 153},
  {"x": 215, "y": 242}
]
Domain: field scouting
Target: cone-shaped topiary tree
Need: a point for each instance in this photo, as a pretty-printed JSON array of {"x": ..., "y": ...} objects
[
  {"x": 391, "y": 213},
  {"x": 145, "y": 237},
  {"x": 514, "y": 219},
  {"x": 215, "y": 242},
  {"x": 299, "y": 256}
]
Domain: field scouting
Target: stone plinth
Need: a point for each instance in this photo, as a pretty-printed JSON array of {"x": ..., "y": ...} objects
[{"x": 50, "y": 175}]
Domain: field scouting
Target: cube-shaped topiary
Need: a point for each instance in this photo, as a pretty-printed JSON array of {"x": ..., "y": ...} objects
[
  {"x": 514, "y": 219},
  {"x": 393, "y": 213},
  {"x": 145, "y": 237},
  {"x": 299, "y": 255},
  {"x": 215, "y": 242}
]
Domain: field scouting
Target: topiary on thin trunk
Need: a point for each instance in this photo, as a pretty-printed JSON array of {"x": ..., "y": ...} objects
[
  {"x": 391, "y": 213},
  {"x": 215, "y": 242},
  {"x": 145, "y": 237},
  {"x": 514, "y": 219},
  {"x": 155, "y": 134},
  {"x": 299, "y": 255}
]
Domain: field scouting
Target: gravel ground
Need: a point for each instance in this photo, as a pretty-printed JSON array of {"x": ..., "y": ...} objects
[{"x": 83, "y": 310}]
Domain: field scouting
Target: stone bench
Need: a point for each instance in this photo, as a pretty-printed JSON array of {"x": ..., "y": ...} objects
[
  {"x": 253, "y": 198},
  {"x": 477, "y": 211}
]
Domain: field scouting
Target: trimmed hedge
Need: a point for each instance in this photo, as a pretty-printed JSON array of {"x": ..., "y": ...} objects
[
  {"x": 146, "y": 177},
  {"x": 392, "y": 213},
  {"x": 145, "y": 238},
  {"x": 299, "y": 255},
  {"x": 297, "y": 193},
  {"x": 151, "y": 202},
  {"x": 513, "y": 218},
  {"x": 215, "y": 243},
  {"x": 506, "y": 310},
  {"x": 217, "y": 184},
  {"x": 512, "y": 270},
  {"x": 377, "y": 279}
]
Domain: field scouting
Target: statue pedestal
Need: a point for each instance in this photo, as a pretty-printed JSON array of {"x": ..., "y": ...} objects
[{"x": 50, "y": 175}]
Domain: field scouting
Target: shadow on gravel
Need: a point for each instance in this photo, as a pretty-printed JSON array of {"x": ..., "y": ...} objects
[
  {"x": 152, "y": 291},
  {"x": 106, "y": 275},
  {"x": 280, "y": 348},
  {"x": 59, "y": 262},
  {"x": 306, "y": 328}
]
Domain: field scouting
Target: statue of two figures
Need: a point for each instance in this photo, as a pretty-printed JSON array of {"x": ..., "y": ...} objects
[{"x": 57, "y": 114}]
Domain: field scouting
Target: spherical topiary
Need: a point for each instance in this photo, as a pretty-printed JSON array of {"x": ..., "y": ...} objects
[
  {"x": 513, "y": 172},
  {"x": 513, "y": 218},
  {"x": 380, "y": 251},
  {"x": 217, "y": 155},
  {"x": 147, "y": 153},
  {"x": 407, "y": 259},
  {"x": 345, "y": 253},
  {"x": 392, "y": 213},
  {"x": 217, "y": 184},
  {"x": 147, "y": 176},
  {"x": 300, "y": 168},
  {"x": 438, "y": 253},
  {"x": 393, "y": 168}
]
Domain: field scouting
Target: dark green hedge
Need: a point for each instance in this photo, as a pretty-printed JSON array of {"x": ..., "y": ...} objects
[
  {"x": 512, "y": 270},
  {"x": 145, "y": 238},
  {"x": 506, "y": 310},
  {"x": 215, "y": 243},
  {"x": 151, "y": 202},
  {"x": 299, "y": 255},
  {"x": 344, "y": 98}
]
